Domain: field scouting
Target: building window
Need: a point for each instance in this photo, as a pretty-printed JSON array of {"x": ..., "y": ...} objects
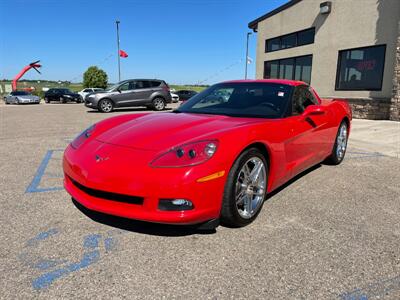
[
  {"x": 300, "y": 38},
  {"x": 361, "y": 69},
  {"x": 295, "y": 68}
]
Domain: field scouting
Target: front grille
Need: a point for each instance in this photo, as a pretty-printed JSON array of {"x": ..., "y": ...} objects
[{"x": 107, "y": 195}]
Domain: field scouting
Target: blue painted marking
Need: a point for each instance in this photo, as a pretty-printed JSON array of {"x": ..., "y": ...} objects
[
  {"x": 34, "y": 186},
  {"x": 42, "y": 236},
  {"x": 47, "y": 279},
  {"x": 109, "y": 244},
  {"x": 91, "y": 241},
  {"x": 378, "y": 289},
  {"x": 57, "y": 268}
]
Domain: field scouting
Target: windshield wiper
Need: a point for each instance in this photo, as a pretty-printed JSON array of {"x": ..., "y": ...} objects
[{"x": 177, "y": 111}]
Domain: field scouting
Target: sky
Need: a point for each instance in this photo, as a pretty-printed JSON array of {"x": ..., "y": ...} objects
[{"x": 180, "y": 41}]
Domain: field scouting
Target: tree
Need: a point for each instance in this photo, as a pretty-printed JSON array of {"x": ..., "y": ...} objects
[{"x": 95, "y": 78}]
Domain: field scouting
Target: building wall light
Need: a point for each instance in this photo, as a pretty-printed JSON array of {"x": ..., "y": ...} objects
[{"x": 325, "y": 7}]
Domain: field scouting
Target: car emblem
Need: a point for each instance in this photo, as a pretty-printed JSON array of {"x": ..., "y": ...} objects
[{"x": 100, "y": 159}]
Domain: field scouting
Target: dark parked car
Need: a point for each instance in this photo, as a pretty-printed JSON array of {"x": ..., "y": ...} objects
[
  {"x": 62, "y": 95},
  {"x": 185, "y": 94},
  {"x": 151, "y": 93}
]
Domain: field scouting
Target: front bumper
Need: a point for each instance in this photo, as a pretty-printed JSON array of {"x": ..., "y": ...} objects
[
  {"x": 91, "y": 102},
  {"x": 126, "y": 172}
]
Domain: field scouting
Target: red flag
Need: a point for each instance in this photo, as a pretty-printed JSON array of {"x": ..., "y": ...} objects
[{"x": 123, "y": 54}]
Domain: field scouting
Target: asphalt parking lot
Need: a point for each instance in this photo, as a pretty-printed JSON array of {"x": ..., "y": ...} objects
[{"x": 332, "y": 233}]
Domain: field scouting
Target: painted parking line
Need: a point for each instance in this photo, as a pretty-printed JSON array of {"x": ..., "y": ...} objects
[
  {"x": 35, "y": 185},
  {"x": 364, "y": 154}
]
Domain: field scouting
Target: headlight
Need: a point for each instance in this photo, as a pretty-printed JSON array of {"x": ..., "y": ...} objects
[
  {"x": 82, "y": 137},
  {"x": 186, "y": 155}
]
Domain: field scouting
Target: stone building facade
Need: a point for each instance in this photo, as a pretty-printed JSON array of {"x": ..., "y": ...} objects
[
  {"x": 344, "y": 49},
  {"x": 395, "y": 103}
]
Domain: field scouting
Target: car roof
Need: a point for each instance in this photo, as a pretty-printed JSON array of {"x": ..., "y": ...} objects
[
  {"x": 278, "y": 81},
  {"x": 144, "y": 79}
]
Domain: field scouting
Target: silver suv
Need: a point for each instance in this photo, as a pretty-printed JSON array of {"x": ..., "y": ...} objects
[{"x": 152, "y": 93}]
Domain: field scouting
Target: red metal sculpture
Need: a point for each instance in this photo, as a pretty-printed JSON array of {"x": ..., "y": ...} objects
[{"x": 33, "y": 65}]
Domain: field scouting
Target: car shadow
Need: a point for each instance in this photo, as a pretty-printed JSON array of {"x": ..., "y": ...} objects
[
  {"x": 293, "y": 180},
  {"x": 130, "y": 109},
  {"x": 140, "y": 226}
]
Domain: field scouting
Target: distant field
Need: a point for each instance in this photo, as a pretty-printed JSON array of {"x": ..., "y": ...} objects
[{"x": 187, "y": 87}]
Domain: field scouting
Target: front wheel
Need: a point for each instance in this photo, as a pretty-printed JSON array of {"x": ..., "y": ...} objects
[
  {"x": 158, "y": 104},
  {"x": 106, "y": 106},
  {"x": 340, "y": 146},
  {"x": 245, "y": 189},
  {"x": 46, "y": 100}
]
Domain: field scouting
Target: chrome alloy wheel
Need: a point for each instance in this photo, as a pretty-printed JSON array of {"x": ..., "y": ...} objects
[
  {"x": 106, "y": 105},
  {"x": 250, "y": 187},
  {"x": 341, "y": 141}
]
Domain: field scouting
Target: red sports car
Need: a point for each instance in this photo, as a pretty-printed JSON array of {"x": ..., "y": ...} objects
[{"x": 213, "y": 159}]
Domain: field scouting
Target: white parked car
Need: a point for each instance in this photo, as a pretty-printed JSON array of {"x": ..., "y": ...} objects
[
  {"x": 88, "y": 91},
  {"x": 175, "y": 98}
]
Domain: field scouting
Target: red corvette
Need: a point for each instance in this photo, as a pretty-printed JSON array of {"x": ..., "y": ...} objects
[{"x": 215, "y": 158}]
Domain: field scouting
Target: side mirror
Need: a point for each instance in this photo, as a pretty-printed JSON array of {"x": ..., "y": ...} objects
[
  {"x": 119, "y": 91},
  {"x": 313, "y": 110}
]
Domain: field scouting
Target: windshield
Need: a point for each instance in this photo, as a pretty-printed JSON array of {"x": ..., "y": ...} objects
[
  {"x": 241, "y": 99},
  {"x": 113, "y": 87},
  {"x": 19, "y": 93},
  {"x": 65, "y": 91}
]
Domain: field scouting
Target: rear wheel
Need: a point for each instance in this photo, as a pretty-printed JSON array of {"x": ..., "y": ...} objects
[
  {"x": 340, "y": 146},
  {"x": 245, "y": 189},
  {"x": 158, "y": 104},
  {"x": 106, "y": 106},
  {"x": 46, "y": 100},
  {"x": 62, "y": 100}
]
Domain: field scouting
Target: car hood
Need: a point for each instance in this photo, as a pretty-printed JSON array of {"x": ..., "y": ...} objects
[{"x": 158, "y": 131}]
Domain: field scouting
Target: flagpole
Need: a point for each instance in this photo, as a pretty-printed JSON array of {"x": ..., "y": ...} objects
[
  {"x": 246, "y": 61},
  {"x": 119, "y": 58}
]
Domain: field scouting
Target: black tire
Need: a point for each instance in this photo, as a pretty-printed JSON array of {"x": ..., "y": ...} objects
[
  {"x": 337, "y": 154},
  {"x": 158, "y": 104},
  {"x": 46, "y": 100},
  {"x": 230, "y": 215},
  {"x": 62, "y": 100},
  {"x": 105, "y": 106}
]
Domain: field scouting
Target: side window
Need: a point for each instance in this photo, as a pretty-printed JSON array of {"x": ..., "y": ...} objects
[
  {"x": 155, "y": 83},
  {"x": 302, "y": 98},
  {"x": 137, "y": 85},
  {"x": 147, "y": 84},
  {"x": 125, "y": 86},
  {"x": 86, "y": 90}
]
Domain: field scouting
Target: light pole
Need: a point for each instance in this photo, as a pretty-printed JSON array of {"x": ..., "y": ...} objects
[
  {"x": 119, "y": 59},
  {"x": 247, "y": 54}
]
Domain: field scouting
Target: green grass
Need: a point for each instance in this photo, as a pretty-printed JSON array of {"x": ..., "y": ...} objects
[{"x": 187, "y": 87}]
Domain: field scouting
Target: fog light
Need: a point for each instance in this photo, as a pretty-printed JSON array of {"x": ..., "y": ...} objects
[{"x": 175, "y": 204}]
